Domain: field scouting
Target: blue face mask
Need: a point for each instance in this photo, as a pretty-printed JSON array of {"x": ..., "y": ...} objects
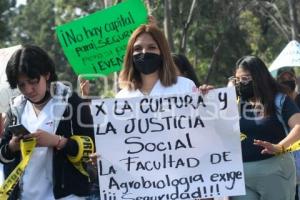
[{"x": 147, "y": 63}]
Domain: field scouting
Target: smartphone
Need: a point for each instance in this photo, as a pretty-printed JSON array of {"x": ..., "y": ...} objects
[{"x": 18, "y": 130}]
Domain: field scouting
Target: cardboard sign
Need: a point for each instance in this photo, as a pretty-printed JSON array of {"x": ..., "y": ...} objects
[
  {"x": 96, "y": 44},
  {"x": 169, "y": 147}
]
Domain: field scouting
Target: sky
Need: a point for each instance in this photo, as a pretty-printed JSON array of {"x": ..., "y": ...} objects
[{"x": 19, "y": 2}]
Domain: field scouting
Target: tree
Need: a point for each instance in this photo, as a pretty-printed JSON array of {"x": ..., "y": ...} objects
[
  {"x": 186, "y": 27},
  {"x": 293, "y": 19},
  {"x": 167, "y": 23},
  {"x": 40, "y": 31},
  {"x": 5, "y": 6},
  {"x": 212, "y": 34}
]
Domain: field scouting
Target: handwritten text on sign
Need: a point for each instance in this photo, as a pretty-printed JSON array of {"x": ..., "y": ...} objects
[
  {"x": 96, "y": 44},
  {"x": 169, "y": 147}
]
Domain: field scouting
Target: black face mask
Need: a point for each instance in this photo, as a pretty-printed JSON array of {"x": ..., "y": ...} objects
[
  {"x": 290, "y": 84},
  {"x": 245, "y": 91},
  {"x": 147, "y": 63}
]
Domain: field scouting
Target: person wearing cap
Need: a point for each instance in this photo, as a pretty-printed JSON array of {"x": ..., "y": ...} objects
[{"x": 287, "y": 77}]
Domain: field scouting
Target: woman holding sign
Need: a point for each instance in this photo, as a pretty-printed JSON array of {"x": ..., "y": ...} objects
[
  {"x": 57, "y": 133},
  {"x": 265, "y": 111},
  {"x": 149, "y": 68}
]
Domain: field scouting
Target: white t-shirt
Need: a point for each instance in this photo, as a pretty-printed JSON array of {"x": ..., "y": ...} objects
[
  {"x": 37, "y": 182},
  {"x": 183, "y": 85}
]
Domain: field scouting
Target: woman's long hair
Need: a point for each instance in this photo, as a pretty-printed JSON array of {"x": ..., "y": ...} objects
[
  {"x": 130, "y": 78},
  {"x": 264, "y": 85}
]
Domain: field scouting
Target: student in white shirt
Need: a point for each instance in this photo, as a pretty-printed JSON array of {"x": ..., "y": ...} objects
[
  {"x": 149, "y": 68},
  {"x": 53, "y": 119}
]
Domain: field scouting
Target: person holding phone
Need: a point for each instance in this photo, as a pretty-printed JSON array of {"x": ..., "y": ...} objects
[
  {"x": 18, "y": 130},
  {"x": 53, "y": 115}
]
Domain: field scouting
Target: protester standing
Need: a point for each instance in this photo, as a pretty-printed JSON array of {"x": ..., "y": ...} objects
[
  {"x": 287, "y": 77},
  {"x": 54, "y": 118},
  {"x": 148, "y": 66},
  {"x": 269, "y": 173}
]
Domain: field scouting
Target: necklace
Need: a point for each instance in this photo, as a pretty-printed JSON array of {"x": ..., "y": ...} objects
[
  {"x": 38, "y": 107},
  {"x": 145, "y": 92}
]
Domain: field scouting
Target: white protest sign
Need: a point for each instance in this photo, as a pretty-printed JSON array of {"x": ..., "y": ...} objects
[
  {"x": 169, "y": 147},
  {"x": 5, "y": 92},
  {"x": 289, "y": 57}
]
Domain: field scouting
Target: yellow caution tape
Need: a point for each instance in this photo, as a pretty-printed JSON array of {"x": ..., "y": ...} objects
[
  {"x": 243, "y": 136},
  {"x": 27, "y": 146},
  {"x": 85, "y": 148},
  {"x": 292, "y": 148}
]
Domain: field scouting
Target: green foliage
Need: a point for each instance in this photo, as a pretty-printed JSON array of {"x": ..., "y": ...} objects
[
  {"x": 237, "y": 27},
  {"x": 5, "y": 5},
  {"x": 35, "y": 24},
  {"x": 67, "y": 10}
]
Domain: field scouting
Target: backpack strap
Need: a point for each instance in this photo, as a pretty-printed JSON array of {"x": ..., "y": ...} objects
[{"x": 279, "y": 100}]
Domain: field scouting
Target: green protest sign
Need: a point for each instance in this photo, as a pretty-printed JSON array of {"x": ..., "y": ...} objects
[{"x": 96, "y": 44}]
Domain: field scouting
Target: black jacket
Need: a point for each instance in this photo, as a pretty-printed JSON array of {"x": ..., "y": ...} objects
[{"x": 67, "y": 179}]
